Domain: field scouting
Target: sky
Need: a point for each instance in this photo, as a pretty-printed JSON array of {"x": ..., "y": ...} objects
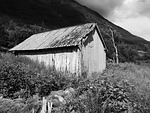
[{"x": 132, "y": 15}]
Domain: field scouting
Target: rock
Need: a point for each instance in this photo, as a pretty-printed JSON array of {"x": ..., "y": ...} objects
[
  {"x": 60, "y": 97},
  {"x": 59, "y": 93},
  {"x": 70, "y": 92},
  {"x": 56, "y": 100}
]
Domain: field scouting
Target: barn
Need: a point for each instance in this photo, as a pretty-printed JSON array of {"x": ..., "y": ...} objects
[{"x": 77, "y": 49}]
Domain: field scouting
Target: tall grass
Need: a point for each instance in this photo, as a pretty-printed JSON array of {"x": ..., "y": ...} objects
[
  {"x": 123, "y": 87},
  {"x": 22, "y": 77},
  {"x": 135, "y": 79}
]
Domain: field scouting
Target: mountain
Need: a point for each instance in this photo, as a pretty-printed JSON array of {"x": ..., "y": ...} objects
[{"x": 19, "y": 19}]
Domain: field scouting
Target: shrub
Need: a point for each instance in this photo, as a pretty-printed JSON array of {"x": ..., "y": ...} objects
[
  {"x": 16, "y": 77},
  {"x": 20, "y": 106},
  {"x": 135, "y": 80},
  {"x": 22, "y": 77},
  {"x": 121, "y": 88}
]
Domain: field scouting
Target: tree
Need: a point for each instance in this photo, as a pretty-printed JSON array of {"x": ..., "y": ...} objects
[{"x": 115, "y": 47}]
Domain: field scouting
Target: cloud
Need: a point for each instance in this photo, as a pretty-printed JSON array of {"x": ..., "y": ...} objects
[
  {"x": 144, "y": 8},
  {"x": 133, "y": 15},
  {"x": 139, "y": 26},
  {"x": 132, "y": 8},
  {"x": 104, "y": 7}
]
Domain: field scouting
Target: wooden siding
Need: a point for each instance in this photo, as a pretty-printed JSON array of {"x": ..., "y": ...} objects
[
  {"x": 75, "y": 49},
  {"x": 93, "y": 53},
  {"x": 65, "y": 59}
]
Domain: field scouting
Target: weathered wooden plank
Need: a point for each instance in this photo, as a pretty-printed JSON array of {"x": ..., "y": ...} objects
[
  {"x": 46, "y": 39},
  {"x": 63, "y": 37},
  {"x": 51, "y": 38},
  {"x": 94, "y": 56}
]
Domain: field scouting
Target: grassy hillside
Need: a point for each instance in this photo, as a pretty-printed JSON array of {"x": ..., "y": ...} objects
[{"x": 20, "y": 19}]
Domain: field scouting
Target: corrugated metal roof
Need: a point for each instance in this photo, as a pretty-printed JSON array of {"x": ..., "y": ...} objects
[{"x": 70, "y": 36}]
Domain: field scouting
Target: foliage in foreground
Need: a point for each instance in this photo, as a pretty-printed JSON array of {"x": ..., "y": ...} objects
[
  {"x": 122, "y": 87},
  {"x": 22, "y": 77}
]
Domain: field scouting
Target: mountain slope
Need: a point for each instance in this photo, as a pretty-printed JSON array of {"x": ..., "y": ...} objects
[{"x": 21, "y": 18}]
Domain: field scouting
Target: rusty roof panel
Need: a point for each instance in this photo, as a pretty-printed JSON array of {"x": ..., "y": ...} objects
[{"x": 70, "y": 36}]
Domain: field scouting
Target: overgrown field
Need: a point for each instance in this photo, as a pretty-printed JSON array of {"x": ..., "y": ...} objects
[{"x": 121, "y": 88}]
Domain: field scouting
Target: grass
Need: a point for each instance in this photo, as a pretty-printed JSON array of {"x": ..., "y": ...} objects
[{"x": 121, "y": 87}]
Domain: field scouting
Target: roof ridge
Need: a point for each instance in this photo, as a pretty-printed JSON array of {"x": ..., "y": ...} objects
[{"x": 70, "y": 36}]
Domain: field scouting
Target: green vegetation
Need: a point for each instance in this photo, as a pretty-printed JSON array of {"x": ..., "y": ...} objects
[
  {"x": 122, "y": 87},
  {"x": 21, "y": 77},
  {"x": 12, "y": 33}
]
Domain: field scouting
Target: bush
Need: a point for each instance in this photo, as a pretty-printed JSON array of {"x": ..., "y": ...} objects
[
  {"x": 20, "y": 105},
  {"x": 22, "y": 77},
  {"x": 135, "y": 80},
  {"x": 16, "y": 77},
  {"x": 121, "y": 88}
]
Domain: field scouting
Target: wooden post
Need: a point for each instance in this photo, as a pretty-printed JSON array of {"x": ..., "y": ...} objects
[
  {"x": 32, "y": 110},
  {"x": 44, "y": 105},
  {"x": 116, "y": 50},
  {"x": 50, "y": 107}
]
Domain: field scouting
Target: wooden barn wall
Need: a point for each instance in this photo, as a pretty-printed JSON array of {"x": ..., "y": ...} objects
[
  {"x": 63, "y": 59},
  {"x": 93, "y": 54}
]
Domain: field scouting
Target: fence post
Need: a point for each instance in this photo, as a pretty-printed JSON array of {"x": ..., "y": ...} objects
[
  {"x": 44, "y": 105},
  {"x": 32, "y": 110},
  {"x": 50, "y": 107}
]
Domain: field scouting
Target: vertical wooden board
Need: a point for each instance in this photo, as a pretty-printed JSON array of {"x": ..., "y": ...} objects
[
  {"x": 94, "y": 56},
  {"x": 76, "y": 60},
  {"x": 47, "y": 59},
  {"x": 53, "y": 62},
  {"x": 39, "y": 58},
  {"x": 63, "y": 64},
  {"x": 58, "y": 60},
  {"x": 79, "y": 61},
  {"x": 67, "y": 60},
  {"x": 70, "y": 60},
  {"x": 85, "y": 56},
  {"x": 55, "y": 57},
  {"x": 43, "y": 59},
  {"x": 50, "y": 60},
  {"x": 64, "y": 61},
  {"x": 71, "y": 63},
  {"x": 102, "y": 54}
]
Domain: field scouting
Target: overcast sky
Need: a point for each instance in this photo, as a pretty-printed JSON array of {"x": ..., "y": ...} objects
[{"x": 133, "y": 15}]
